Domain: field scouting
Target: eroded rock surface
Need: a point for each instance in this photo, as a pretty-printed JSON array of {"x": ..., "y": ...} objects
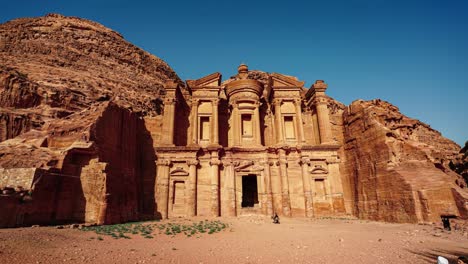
[
  {"x": 81, "y": 110},
  {"x": 73, "y": 97},
  {"x": 396, "y": 168}
]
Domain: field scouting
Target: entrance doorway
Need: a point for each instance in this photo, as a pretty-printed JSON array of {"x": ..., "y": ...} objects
[
  {"x": 178, "y": 198},
  {"x": 249, "y": 190}
]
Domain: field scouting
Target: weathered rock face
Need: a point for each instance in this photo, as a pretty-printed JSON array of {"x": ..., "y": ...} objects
[
  {"x": 396, "y": 168},
  {"x": 55, "y": 65},
  {"x": 460, "y": 165},
  {"x": 73, "y": 95},
  {"x": 81, "y": 115}
]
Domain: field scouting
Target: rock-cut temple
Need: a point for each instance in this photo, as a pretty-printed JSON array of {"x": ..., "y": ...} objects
[{"x": 251, "y": 144}]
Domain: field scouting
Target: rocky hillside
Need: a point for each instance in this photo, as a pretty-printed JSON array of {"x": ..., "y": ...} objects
[
  {"x": 397, "y": 168},
  {"x": 53, "y": 66},
  {"x": 73, "y": 99}
]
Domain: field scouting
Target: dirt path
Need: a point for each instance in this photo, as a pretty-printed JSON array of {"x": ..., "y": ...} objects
[{"x": 249, "y": 239}]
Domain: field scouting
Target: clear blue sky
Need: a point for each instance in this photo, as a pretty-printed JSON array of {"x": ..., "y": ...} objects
[{"x": 413, "y": 54}]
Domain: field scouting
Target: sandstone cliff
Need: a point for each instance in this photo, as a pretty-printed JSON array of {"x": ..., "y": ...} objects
[
  {"x": 80, "y": 108},
  {"x": 396, "y": 168},
  {"x": 73, "y": 97},
  {"x": 56, "y": 65}
]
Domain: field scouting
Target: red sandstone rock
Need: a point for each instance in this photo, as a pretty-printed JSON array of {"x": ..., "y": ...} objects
[
  {"x": 396, "y": 168},
  {"x": 71, "y": 96},
  {"x": 80, "y": 108},
  {"x": 53, "y": 66}
]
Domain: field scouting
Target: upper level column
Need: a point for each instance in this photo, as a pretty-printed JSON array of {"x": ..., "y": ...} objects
[
  {"x": 236, "y": 124},
  {"x": 322, "y": 112},
  {"x": 299, "y": 123},
  {"x": 258, "y": 136},
  {"x": 215, "y": 128},
  {"x": 170, "y": 100},
  {"x": 168, "y": 121},
  {"x": 195, "y": 103},
  {"x": 278, "y": 125}
]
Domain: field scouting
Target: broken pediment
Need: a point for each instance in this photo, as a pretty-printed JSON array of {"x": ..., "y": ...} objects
[
  {"x": 280, "y": 80},
  {"x": 211, "y": 80}
]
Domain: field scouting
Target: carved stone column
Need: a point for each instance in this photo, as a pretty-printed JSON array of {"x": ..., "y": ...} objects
[
  {"x": 195, "y": 121},
  {"x": 279, "y": 121},
  {"x": 169, "y": 118},
  {"x": 230, "y": 187},
  {"x": 320, "y": 101},
  {"x": 258, "y": 137},
  {"x": 215, "y": 132},
  {"x": 215, "y": 162},
  {"x": 192, "y": 188},
  {"x": 323, "y": 120},
  {"x": 236, "y": 130},
  {"x": 269, "y": 192},
  {"x": 299, "y": 123},
  {"x": 284, "y": 183},
  {"x": 309, "y": 206},
  {"x": 162, "y": 188}
]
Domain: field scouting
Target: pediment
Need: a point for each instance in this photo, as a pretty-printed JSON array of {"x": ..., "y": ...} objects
[
  {"x": 179, "y": 172},
  {"x": 280, "y": 80},
  {"x": 248, "y": 166},
  {"x": 211, "y": 80},
  {"x": 318, "y": 170}
]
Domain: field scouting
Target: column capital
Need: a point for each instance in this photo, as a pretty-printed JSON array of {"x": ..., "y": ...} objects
[
  {"x": 304, "y": 161},
  {"x": 215, "y": 162},
  {"x": 215, "y": 102},
  {"x": 195, "y": 101},
  {"x": 163, "y": 162},
  {"x": 277, "y": 102},
  {"x": 283, "y": 161},
  {"x": 228, "y": 163},
  {"x": 320, "y": 100},
  {"x": 193, "y": 162}
]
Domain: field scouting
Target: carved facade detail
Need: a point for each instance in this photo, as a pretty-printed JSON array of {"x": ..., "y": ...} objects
[{"x": 246, "y": 149}]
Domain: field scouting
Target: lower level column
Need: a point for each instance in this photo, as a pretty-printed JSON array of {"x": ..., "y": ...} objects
[
  {"x": 215, "y": 162},
  {"x": 269, "y": 191},
  {"x": 309, "y": 206},
  {"x": 285, "y": 185},
  {"x": 192, "y": 188},
  {"x": 230, "y": 183},
  {"x": 162, "y": 188}
]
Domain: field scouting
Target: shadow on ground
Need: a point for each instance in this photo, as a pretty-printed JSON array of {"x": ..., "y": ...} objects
[{"x": 430, "y": 255}]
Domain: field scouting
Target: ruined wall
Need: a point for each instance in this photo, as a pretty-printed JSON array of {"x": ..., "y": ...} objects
[
  {"x": 15, "y": 177},
  {"x": 23, "y": 207},
  {"x": 394, "y": 166}
]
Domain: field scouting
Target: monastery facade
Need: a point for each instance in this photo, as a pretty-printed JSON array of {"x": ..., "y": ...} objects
[{"x": 248, "y": 145}]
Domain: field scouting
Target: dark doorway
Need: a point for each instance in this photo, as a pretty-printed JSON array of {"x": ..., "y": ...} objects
[{"x": 249, "y": 190}]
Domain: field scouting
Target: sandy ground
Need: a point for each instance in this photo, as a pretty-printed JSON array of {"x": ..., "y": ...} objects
[{"x": 248, "y": 239}]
